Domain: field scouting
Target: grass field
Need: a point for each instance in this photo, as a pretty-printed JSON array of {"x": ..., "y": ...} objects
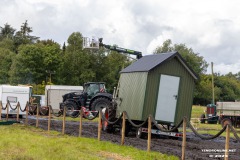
[{"x": 21, "y": 142}]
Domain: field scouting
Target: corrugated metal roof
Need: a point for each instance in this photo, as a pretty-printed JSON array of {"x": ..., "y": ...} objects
[{"x": 148, "y": 62}]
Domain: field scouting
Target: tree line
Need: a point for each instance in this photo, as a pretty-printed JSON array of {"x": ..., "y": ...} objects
[{"x": 25, "y": 59}]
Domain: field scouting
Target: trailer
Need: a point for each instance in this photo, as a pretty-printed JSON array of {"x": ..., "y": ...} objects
[
  {"x": 15, "y": 94},
  {"x": 54, "y": 93},
  {"x": 229, "y": 112}
]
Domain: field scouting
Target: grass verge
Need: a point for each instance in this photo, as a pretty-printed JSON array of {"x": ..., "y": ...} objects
[{"x": 30, "y": 143}]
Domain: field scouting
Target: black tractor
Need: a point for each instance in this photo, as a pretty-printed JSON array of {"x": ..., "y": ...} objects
[{"x": 93, "y": 98}]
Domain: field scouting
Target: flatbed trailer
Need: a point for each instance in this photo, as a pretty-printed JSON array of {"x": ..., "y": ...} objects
[{"x": 229, "y": 112}]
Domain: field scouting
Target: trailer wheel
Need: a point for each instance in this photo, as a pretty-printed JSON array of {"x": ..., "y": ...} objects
[
  {"x": 202, "y": 118},
  {"x": 225, "y": 121},
  {"x": 140, "y": 134}
]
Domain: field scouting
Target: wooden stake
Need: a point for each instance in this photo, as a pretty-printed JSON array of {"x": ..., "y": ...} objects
[
  {"x": 184, "y": 138},
  {"x": 99, "y": 125},
  {"x": 37, "y": 116},
  {"x": 149, "y": 133},
  {"x": 64, "y": 120},
  {"x": 123, "y": 128},
  {"x": 227, "y": 142},
  {"x": 18, "y": 105},
  {"x": 49, "y": 119},
  {"x": 0, "y": 110},
  {"x": 26, "y": 121},
  {"x": 80, "y": 122},
  {"x": 7, "y": 111}
]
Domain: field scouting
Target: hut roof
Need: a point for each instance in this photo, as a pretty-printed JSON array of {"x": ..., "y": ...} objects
[{"x": 149, "y": 62}]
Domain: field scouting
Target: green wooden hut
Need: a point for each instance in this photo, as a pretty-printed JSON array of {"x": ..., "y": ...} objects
[{"x": 161, "y": 85}]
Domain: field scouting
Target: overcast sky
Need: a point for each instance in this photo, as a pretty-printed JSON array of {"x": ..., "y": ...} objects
[{"x": 210, "y": 27}]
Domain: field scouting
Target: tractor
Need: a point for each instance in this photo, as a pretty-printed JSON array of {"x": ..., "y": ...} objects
[{"x": 93, "y": 98}]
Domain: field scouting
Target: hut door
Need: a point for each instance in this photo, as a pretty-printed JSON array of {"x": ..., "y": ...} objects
[{"x": 167, "y": 98}]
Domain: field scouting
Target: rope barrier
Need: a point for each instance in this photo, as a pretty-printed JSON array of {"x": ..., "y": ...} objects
[
  {"x": 11, "y": 106},
  {"x": 49, "y": 108},
  {"x": 135, "y": 125},
  {"x": 164, "y": 130},
  {"x": 205, "y": 137},
  {"x": 105, "y": 119},
  {"x": 5, "y": 107}
]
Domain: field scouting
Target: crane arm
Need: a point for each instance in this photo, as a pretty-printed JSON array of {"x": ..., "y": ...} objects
[{"x": 119, "y": 49}]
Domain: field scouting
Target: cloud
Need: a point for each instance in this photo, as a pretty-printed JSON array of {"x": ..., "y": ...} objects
[{"x": 210, "y": 28}]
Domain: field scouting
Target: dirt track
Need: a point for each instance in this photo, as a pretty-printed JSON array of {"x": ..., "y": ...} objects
[{"x": 196, "y": 149}]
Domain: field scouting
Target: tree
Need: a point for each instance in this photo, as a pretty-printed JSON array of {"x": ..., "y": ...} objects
[
  {"x": 23, "y": 36},
  {"x": 6, "y": 57},
  {"x": 196, "y": 62},
  {"x": 76, "y": 68},
  {"x": 6, "y": 32},
  {"x": 32, "y": 62}
]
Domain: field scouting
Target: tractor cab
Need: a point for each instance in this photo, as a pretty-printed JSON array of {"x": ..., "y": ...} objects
[{"x": 92, "y": 88}]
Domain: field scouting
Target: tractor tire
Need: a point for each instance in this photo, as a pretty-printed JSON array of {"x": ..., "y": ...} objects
[
  {"x": 225, "y": 121},
  {"x": 72, "y": 109},
  {"x": 100, "y": 103},
  {"x": 202, "y": 118}
]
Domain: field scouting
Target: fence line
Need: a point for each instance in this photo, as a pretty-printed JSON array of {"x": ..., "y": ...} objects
[{"x": 184, "y": 122}]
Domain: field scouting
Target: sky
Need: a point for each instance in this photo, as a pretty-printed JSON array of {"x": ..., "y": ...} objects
[{"x": 210, "y": 27}]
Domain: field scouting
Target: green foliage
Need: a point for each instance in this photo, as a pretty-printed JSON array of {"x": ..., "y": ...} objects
[
  {"x": 6, "y": 57},
  {"x": 32, "y": 62},
  {"x": 196, "y": 62},
  {"x": 6, "y": 32}
]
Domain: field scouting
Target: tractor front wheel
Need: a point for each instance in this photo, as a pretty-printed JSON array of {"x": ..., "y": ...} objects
[{"x": 72, "y": 109}]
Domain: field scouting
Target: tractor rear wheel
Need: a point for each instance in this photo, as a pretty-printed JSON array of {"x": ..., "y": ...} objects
[{"x": 100, "y": 103}]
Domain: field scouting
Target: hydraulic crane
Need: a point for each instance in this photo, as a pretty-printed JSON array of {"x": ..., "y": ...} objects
[{"x": 119, "y": 49}]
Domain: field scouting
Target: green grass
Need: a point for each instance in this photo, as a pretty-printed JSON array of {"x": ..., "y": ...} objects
[{"x": 29, "y": 143}]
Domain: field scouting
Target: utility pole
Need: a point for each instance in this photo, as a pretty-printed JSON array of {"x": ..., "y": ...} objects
[
  {"x": 50, "y": 75},
  {"x": 213, "y": 102}
]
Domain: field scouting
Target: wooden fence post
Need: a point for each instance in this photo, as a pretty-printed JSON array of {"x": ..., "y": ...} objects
[
  {"x": 99, "y": 125},
  {"x": 227, "y": 142},
  {"x": 80, "y": 122},
  {"x": 7, "y": 110},
  {"x": 18, "y": 105},
  {"x": 64, "y": 120},
  {"x": 26, "y": 121},
  {"x": 49, "y": 119},
  {"x": 37, "y": 116},
  {"x": 184, "y": 138},
  {"x": 123, "y": 128},
  {"x": 0, "y": 110},
  {"x": 149, "y": 133}
]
